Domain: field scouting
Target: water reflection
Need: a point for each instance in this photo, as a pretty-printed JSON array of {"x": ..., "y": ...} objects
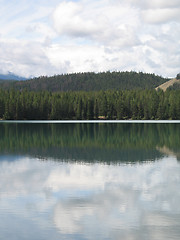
[
  {"x": 95, "y": 196},
  {"x": 78, "y": 201},
  {"x": 110, "y": 143}
]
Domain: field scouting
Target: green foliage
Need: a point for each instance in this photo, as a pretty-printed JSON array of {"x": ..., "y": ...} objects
[
  {"x": 89, "y": 142},
  {"x": 88, "y": 82},
  {"x": 111, "y": 104},
  {"x": 175, "y": 86}
]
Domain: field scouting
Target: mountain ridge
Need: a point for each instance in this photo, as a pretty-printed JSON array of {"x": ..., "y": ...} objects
[
  {"x": 88, "y": 81},
  {"x": 11, "y": 76}
]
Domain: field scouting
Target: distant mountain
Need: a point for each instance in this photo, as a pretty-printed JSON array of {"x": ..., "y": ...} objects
[
  {"x": 11, "y": 76},
  {"x": 88, "y": 82}
]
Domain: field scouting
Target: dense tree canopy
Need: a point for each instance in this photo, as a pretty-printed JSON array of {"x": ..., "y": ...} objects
[
  {"x": 111, "y": 104},
  {"x": 88, "y": 82}
]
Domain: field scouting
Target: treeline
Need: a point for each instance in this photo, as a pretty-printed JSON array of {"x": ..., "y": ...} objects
[
  {"x": 99, "y": 142},
  {"x": 111, "y": 104},
  {"x": 88, "y": 82},
  {"x": 175, "y": 86}
]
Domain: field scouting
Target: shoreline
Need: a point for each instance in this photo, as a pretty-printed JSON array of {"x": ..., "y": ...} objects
[{"x": 89, "y": 121}]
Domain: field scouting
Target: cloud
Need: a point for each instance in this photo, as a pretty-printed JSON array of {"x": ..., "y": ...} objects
[
  {"x": 18, "y": 16},
  {"x": 92, "y": 58},
  {"x": 153, "y": 4},
  {"x": 25, "y": 58},
  {"x": 159, "y": 16},
  {"x": 121, "y": 29},
  {"x": 162, "y": 4},
  {"x": 99, "y": 22},
  {"x": 54, "y": 37}
]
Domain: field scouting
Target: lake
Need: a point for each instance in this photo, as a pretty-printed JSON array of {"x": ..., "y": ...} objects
[{"x": 89, "y": 181}]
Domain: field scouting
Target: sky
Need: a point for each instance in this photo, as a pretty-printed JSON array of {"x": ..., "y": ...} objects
[{"x": 42, "y": 37}]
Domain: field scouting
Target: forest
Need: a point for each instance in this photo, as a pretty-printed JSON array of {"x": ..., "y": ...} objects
[
  {"x": 72, "y": 105},
  {"x": 88, "y": 81}
]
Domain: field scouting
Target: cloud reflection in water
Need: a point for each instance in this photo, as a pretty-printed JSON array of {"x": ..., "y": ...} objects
[{"x": 133, "y": 201}]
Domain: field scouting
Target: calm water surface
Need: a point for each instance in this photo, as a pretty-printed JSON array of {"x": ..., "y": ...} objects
[{"x": 89, "y": 181}]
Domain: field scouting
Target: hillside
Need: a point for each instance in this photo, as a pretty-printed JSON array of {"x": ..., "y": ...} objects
[
  {"x": 88, "y": 82},
  {"x": 168, "y": 84},
  {"x": 175, "y": 86}
]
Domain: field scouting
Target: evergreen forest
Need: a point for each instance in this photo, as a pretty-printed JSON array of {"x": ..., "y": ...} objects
[
  {"x": 88, "y": 81},
  {"x": 110, "y": 104}
]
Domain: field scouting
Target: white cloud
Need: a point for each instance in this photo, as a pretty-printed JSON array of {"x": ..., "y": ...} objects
[
  {"x": 51, "y": 37},
  {"x": 153, "y": 4},
  {"x": 102, "y": 23},
  {"x": 162, "y": 3},
  {"x": 165, "y": 15},
  {"x": 25, "y": 58}
]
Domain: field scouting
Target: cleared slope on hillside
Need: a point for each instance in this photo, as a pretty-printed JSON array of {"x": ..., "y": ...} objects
[{"x": 167, "y": 84}]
